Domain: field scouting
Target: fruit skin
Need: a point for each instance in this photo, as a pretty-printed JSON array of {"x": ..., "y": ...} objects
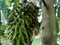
[{"x": 21, "y": 23}]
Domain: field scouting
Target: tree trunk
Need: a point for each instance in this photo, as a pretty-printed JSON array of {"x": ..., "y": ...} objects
[{"x": 48, "y": 23}]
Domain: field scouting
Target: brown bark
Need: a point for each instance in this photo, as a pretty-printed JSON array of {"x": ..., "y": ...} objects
[{"x": 48, "y": 23}]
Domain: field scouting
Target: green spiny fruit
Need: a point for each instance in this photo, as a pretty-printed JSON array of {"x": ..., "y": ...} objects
[{"x": 21, "y": 23}]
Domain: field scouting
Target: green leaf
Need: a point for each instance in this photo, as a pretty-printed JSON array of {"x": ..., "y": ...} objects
[{"x": 8, "y": 3}]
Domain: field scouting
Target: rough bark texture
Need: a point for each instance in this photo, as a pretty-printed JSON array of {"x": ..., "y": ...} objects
[{"x": 48, "y": 23}]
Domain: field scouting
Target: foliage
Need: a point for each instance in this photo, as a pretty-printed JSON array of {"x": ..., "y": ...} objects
[
  {"x": 2, "y": 5},
  {"x": 22, "y": 22},
  {"x": 2, "y": 29},
  {"x": 57, "y": 25},
  {"x": 8, "y": 2},
  {"x": 16, "y": 2},
  {"x": 6, "y": 13},
  {"x": 59, "y": 12}
]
